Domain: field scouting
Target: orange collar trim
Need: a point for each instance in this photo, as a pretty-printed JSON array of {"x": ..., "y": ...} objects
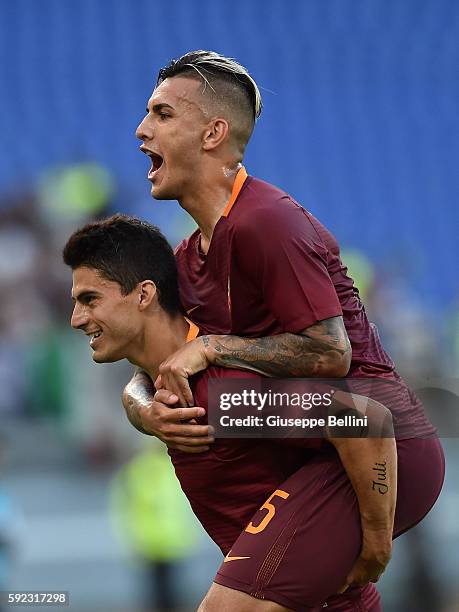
[
  {"x": 193, "y": 330},
  {"x": 238, "y": 183}
]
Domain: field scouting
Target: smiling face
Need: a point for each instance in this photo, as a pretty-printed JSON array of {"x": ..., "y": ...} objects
[
  {"x": 172, "y": 134},
  {"x": 110, "y": 319}
]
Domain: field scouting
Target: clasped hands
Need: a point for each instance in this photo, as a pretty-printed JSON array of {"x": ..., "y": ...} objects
[{"x": 177, "y": 426}]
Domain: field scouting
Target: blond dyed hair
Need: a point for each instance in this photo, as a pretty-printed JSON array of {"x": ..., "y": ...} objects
[{"x": 216, "y": 70}]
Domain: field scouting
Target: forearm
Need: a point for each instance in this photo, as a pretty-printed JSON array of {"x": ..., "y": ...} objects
[
  {"x": 371, "y": 465},
  {"x": 285, "y": 355},
  {"x": 137, "y": 394}
]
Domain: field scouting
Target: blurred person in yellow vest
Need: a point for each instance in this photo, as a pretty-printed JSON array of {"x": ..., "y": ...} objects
[{"x": 153, "y": 516}]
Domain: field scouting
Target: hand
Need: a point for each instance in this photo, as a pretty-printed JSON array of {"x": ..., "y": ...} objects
[
  {"x": 372, "y": 561},
  {"x": 175, "y": 427},
  {"x": 178, "y": 367}
]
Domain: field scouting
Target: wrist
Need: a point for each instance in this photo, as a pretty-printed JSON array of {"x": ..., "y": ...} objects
[
  {"x": 378, "y": 524},
  {"x": 209, "y": 343},
  {"x": 381, "y": 551},
  {"x": 377, "y": 539}
]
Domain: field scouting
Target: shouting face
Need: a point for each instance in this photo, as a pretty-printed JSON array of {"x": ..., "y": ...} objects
[{"x": 172, "y": 134}]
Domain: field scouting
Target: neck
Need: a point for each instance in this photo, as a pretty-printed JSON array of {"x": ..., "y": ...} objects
[
  {"x": 166, "y": 334},
  {"x": 207, "y": 201}
]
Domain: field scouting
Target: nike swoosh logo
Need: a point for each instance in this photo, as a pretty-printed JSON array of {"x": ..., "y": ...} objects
[
  {"x": 228, "y": 558},
  {"x": 191, "y": 309}
]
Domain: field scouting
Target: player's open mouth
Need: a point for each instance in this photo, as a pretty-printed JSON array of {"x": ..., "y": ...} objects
[
  {"x": 156, "y": 163},
  {"x": 94, "y": 338}
]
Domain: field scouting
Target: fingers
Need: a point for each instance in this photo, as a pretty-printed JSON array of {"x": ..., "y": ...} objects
[
  {"x": 176, "y": 429},
  {"x": 159, "y": 382},
  {"x": 164, "y": 396},
  {"x": 176, "y": 380},
  {"x": 188, "y": 443},
  {"x": 178, "y": 385},
  {"x": 348, "y": 582},
  {"x": 360, "y": 575},
  {"x": 171, "y": 382},
  {"x": 186, "y": 431},
  {"x": 185, "y": 391},
  {"x": 176, "y": 415}
]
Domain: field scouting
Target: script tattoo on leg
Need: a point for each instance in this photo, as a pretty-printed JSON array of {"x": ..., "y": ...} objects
[{"x": 380, "y": 485}]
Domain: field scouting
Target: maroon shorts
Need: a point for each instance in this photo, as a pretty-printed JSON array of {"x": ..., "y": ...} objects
[{"x": 300, "y": 546}]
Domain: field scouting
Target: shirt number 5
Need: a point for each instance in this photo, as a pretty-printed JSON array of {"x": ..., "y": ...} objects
[{"x": 271, "y": 511}]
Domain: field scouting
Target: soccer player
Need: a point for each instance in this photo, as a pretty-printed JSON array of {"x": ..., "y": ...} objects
[
  {"x": 295, "y": 552},
  {"x": 261, "y": 277}
]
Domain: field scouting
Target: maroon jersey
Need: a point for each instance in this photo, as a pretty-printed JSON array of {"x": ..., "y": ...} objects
[
  {"x": 227, "y": 484},
  {"x": 276, "y": 509},
  {"x": 272, "y": 267}
]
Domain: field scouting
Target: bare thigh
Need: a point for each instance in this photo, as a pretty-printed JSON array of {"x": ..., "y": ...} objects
[{"x": 222, "y": 599}]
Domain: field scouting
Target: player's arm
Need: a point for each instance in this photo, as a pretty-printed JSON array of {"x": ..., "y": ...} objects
[
  {"x": 152, "y": 413},
  {"x": 321, "y": 350},
  {"x": 136, "y": 396},
  {"x": 371, "y": 465}
]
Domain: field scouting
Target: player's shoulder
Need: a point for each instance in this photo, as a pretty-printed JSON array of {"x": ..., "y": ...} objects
[
  {"x": 186, "y": 244},
  {"x": 264, "y": 208},
  {"x": 259, "y": 195}
]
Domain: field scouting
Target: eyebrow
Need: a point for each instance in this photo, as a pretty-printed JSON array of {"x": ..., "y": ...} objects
[
  {"x": 158, "y": 107},
  {"x": 84, "y": 295}
]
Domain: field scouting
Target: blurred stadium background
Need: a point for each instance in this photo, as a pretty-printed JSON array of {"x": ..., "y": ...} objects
[{"x": 360, "y": 125}]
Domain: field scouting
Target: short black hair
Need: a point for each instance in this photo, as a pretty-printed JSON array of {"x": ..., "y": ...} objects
[
  {"x": 223, "y": 75},
  {"x": 127, "y": 250}
]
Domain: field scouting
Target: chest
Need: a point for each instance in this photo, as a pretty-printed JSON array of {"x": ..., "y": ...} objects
[{"x": 218, "y": 294}]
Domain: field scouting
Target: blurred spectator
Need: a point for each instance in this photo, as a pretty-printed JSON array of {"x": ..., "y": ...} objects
[
  {"x": 153, "y": 515},
  {"x": 407, "y": 328},
  {"x": 361, "y": 269}
]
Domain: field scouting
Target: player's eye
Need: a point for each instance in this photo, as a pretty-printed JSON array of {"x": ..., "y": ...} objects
[{"x": 163, "y": 116}]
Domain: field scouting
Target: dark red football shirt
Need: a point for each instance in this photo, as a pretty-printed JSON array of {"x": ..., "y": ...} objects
[
  {"x": 272, "y": 267},
  {"x": 227, "y": 484}
]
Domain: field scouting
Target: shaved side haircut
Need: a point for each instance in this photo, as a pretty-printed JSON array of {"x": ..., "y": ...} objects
[{"x": 229, "y": 89}]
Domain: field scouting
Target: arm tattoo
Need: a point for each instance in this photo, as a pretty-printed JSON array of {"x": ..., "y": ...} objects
[
  {"x": 381, "y": 483},
  {"x": 206, "y": 341},
  {"x": 321, "y": 350},
  {"x": 139, "y": 391},
  {"x": 133, "y": 416},
  {"x": 144, "y": 389}
]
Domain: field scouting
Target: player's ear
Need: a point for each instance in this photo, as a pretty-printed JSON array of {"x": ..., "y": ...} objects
[
  {"x": 147, "y": 294},
  {"x": 215, "y": 133}
]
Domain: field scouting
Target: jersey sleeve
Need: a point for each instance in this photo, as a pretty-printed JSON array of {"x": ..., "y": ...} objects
[{"x": 280, "y": 250}]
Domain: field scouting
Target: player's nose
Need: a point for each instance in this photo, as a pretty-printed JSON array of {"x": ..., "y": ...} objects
[
  {"x": 143, "y": 131},
  {"x": 79, "y": 317}
]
